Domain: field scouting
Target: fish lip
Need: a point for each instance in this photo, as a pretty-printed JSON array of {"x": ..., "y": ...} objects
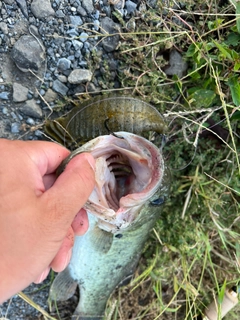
[{"x": 130, "y": 204}]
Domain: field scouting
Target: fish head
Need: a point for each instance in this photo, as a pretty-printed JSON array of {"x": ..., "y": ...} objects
[{"x": 130, "y": 173}]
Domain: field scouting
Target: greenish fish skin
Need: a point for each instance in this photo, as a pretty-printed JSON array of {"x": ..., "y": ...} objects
[
  {"x": 102, "y": 115},
  {"x": 103, "y": 258}
]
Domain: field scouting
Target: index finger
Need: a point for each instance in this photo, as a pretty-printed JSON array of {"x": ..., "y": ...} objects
[{"x": 47, "y": 156}]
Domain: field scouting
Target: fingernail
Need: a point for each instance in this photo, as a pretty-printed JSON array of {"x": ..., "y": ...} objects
[
  {"x": 68, "y": 258},
  {"x": 42, "y": 276}
]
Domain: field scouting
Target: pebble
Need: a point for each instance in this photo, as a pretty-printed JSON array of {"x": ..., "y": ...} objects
[
  {"x": 83, "y": 37},
  {"x": 109, "y": 26},
  {"x": 4, "y": 95},
  {"x": 63, "y": 64},
  {"x": 31, "y": 109},
  {"x": 42, "y": 9},
  {"x": 59, "y": 87},
  {"x": 88, "y": 5},
  {"x": 15, "y": 127},
  {"x": 177, "y": 65},
  {"x": 50, "y": 96},
  {"x": 4, "y": 28},
  {"x": 28, "y": 54},
  {"x": 79, "y": 76},
  {"x": 20, "y": 93}
]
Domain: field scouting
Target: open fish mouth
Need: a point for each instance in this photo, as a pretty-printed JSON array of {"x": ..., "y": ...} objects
[{"x": 129, "y": 171}]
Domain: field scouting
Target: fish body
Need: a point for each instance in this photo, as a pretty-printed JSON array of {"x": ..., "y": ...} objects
[
  {"x": 104, "y": 115},
  {"x": 131, "y": 183}
]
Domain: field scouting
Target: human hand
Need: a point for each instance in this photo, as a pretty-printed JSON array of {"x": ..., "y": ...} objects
[{"x": 39, "y": 213}]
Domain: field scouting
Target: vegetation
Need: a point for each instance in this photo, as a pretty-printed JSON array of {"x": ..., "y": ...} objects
[{"x": 194, "y": 252}]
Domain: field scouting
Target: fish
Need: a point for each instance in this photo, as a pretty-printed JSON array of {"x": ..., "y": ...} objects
[
  {"x": 103, "y": 115},
  {"x": 131, "y": 185}
]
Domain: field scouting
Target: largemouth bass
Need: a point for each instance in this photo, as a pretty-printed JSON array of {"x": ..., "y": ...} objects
[
  {"x": 131, "y": 185},
  {"x": 103, "y": 115}
]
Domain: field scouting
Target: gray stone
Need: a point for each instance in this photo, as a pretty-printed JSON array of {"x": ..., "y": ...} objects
[
  {"x": 4, "y": 28},
  {"x": 42, "y": 9},
  {"x": 96, "y": 24},
  {"x": 81, "y": 11},
  {"x": 118, "y": 5},
  {"x": 177, "y": 65},
  {"x": 130, "y": 6},
  {"x": 75, "y": 21},
  {"x": 31, "y": 109},
  {"x": 23, "y": 6},
  {"x": 59, "y": 87},
  {"x": 50, "y": 96},
  {"x": 4, "y": 95},
  {"x": 15, "y": 127},
  {"x": 64, "y": 64},
  {"x": 77, "y": 44},
  {"x": 60, "y": 14},
  {"x": 80, "y": 76},
  {"x": 88, "y": 5},
  {"x": 63, "y": 79},
  {"x": 110, "y": 27},
  {"x": 28, "y": 54},
  {"x": 83, "y": 37},
  {"x": 20, "y": 93},
  {"x": 72, "y": 32},
  {"x": 30, "y": 121}
]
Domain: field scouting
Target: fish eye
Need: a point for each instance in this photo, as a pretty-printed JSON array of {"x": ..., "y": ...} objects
[{"x": 157, "y": 202}]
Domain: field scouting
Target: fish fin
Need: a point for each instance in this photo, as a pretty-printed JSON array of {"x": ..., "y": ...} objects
[
  {"x": 101, "y": 240},
  {"x": 63, "y": 287}
]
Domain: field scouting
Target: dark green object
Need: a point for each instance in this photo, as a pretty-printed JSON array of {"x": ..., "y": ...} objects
[{"x": 103, "y": 115}]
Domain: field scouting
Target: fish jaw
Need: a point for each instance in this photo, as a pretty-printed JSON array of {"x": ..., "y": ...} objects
[{"x": 128, "y": 172}]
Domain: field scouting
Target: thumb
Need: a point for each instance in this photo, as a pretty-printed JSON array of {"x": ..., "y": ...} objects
[{"x": 71, "y": 190}]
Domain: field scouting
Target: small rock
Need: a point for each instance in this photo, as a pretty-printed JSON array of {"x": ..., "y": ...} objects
[
  {"x": 118, "y": 5},
  {"x": 32, "y": 123},
  {"x": 4, "y": 95},
  {"x": 75, "y": 21},
  {"x": 42, "y": 9},
  {"x": 31, "y": 109},
  {"x": 4, "y": 28},
  {"x": 50, "y": 96},
  {"x": 109, "y": 27},
  {"x": 77, "y": 44},
  {"x": 88, "y": 5},
  {"x": 15, "y": 127},
  {"x": 23, "y": 6},
  {"x": 130, "y": 6},
  {"x": 64, "y": 64},
  {"x": 83, "y": 37},
  {"x": 177, "y": 65},
  {"x": 5, "y": 110},
  {"x": 79, "y": 76},
  {"x": 60, "y": 14},
  {"x": 72, "y": 32},
  {"x": 59, "y": 87},
  {"x": 28, "y": 54},
  {"x": 20, "y": 93},
  {"x": 63, "y": 79}
]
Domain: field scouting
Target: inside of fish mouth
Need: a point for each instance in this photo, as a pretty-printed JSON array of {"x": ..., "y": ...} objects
[{"x": 119, "y": 165}]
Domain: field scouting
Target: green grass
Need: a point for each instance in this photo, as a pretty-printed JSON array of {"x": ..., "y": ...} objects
[{"x": 193, "y": 255}]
